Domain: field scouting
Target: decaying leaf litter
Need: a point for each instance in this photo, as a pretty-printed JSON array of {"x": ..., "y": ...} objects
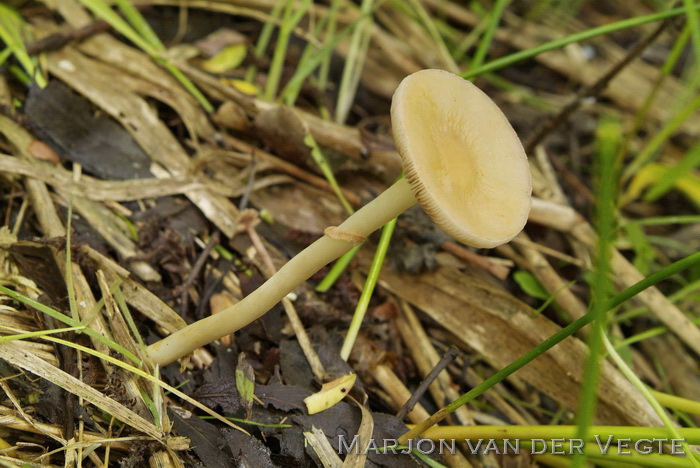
[{"x": 156, "y": 186}]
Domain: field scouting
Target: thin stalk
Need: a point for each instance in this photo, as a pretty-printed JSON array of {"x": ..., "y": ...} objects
[
  {"x": 354, "y": 62},
  {"x": 11, "y": 24},
  {"x": 573, "y": 38},
  {"x": 368, "y": 289},
  {"x": 264, "y": 40},
  {"x": 388, "y": 205},
  {"x": 150, "y": 44},
  {"x": 487, "y": 39},
  {"x": 691, "y": 435},
  {"x": 677, "y": 403},
  {"x": 549, "y": 343},
  {"x": 289, "y": 22},
  {"x": 609, "y": 132},
  {"x": 640, "y": 117},
  {"x": 639, "y": 385},
  {"x": 331, "y": 25},
  {"x": 322, "y": 163},
  {"x": 647, "y": 153},
  {"x": 71, "y": 322},
  {"x": 337, "y": 269}
]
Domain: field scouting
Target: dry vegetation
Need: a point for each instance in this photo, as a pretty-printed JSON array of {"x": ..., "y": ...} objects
[{"x": 111, "y": 153}]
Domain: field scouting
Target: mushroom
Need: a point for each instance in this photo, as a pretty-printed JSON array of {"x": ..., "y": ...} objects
[{"x": 463, "y": 163}]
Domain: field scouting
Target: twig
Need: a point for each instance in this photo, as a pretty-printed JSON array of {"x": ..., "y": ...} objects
[
  {"x": 499, "y": 271},
  {"x": 243, "y": 204},
  {"x": 593, "y": 90},
  {"x": 439, "y": 367},
  {"x": 57, "y": 40},
  {"x": 198, "y": 265}
]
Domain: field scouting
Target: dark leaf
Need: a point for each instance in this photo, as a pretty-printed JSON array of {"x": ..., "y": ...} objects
[
  {"x": 221, "y": 394},
  {"x": 203, "y": 437},
  {"x": 66, "y": 122},
  {"x": 247, "y": 450}
]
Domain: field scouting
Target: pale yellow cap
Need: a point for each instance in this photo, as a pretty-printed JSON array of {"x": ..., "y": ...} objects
[{"x": 464, "y": 161}]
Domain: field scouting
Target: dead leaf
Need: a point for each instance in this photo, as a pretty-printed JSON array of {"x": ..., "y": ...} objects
[
  {"x": 330, "y": 394},
  {"x": 44, "y": 152},
  {"x": 68, "y": 123},
  {"x": 281, "y": 129}
]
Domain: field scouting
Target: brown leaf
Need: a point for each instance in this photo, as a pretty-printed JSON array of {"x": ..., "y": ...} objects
[
  {"x": 44, "y": 152},
  {"x": 282, "y": 130},
  {"x": 221, "y": 394},
  {"x": 502, "y": 328}
]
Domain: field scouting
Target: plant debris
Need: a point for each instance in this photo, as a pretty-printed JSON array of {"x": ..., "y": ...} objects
[{"x": 137, "y": 137}]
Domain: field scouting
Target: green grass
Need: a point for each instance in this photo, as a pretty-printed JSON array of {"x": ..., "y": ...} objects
[
  {"x": 137, "y": 30},
  {"x": 608, "y": 140},
  {"x": 553, "y": 340},
  {"x": 526, "y": 54},
  {"x": 13, "y": 34},
  {"x": 615, "y": 140}
]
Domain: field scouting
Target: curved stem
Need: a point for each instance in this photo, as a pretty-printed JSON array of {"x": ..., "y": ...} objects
[{"x": 391, "y": 203}]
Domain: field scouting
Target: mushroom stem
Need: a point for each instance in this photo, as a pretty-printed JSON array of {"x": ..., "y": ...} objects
[{"x": 388, "y": 205}]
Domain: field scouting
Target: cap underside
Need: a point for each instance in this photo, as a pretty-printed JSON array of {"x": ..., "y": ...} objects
[{"x": 462, "y": 157}]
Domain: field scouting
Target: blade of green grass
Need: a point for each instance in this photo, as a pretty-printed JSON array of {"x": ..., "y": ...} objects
[
  {"x": 139, "y": 23},
  {"x": 647, "y": 154},
  {"x": 289, "y": 21},
  {"x": 320, "y": 160},
  {"x": 666, "y": 69},
  {"x": 576, "y": 37},
  {"x": 368, "y": 289},
  {"x": 149, "y": 43},
  {"x": 639, "y": 385},
  {"x": 354, "y": 62},
  {"x": 693, "y": 19},
  {"x": 663, "y": 220},
  {"x": 645, "y": 335},
  {"x": 308, "y": 67},
  {"x": 11, "y": 25},
  {"x": 663, "y": 185},
  {"x": 290, "y": 97},
  {"x": 337, "y": 269},
  {"x": 36, "y": 334},
  {"x": 608, "y": 138},
  {"x": 121, "y": 302},
  {"x": 331, "y": 27},
  {"x": 70, "y": 321},
  {"x": 493, "y": 20},
  {"x": 460, "y": 50},
  {"x": 644, "y": 254},
  {"x": 264, "y": 40},
  {"x": 679, "y": 403},
  {"x": 550, "y": 342}
]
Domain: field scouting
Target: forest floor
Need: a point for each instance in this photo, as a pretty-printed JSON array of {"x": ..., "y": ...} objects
[{"x": 160, "y": 160}]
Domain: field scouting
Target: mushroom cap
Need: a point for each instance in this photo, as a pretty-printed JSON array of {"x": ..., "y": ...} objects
[{"x": 462, "y": 158}]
